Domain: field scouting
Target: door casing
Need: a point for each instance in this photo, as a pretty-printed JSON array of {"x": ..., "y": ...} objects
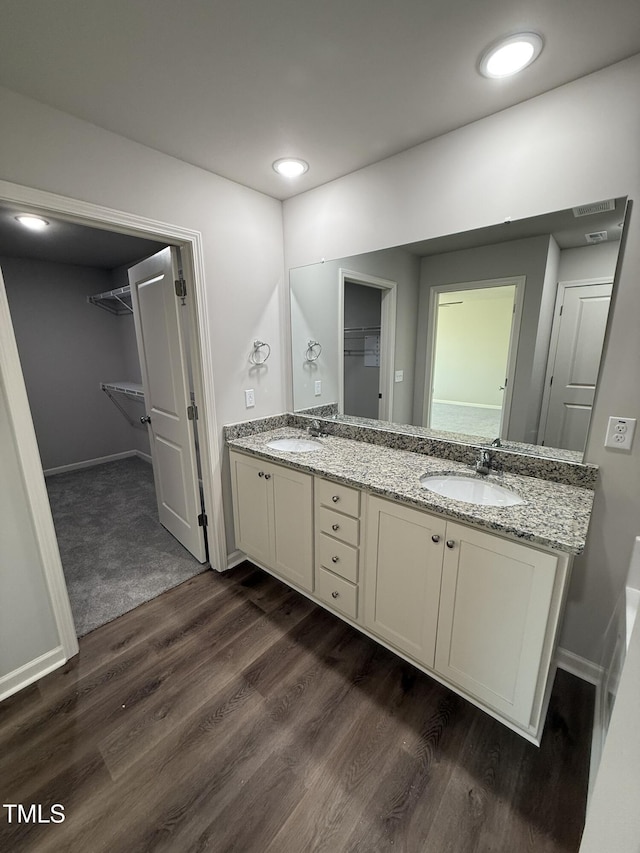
[{"x": 190, "y": 244}]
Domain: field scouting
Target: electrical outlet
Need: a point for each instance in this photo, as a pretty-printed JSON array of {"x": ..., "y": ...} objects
[
  {"x": 318, "y": 387},
  {"x": 620, "y": 433},
  {"x": 399, "y": 375},
  {"x": 249, "y": 398}
]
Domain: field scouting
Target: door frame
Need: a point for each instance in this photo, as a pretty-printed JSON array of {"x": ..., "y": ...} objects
[
  {"x": 190, "y": 245},
  {"x": 388, "y": 305},
  {"x": 520, "y": 282},
  {"x": 563, "y": 286}
]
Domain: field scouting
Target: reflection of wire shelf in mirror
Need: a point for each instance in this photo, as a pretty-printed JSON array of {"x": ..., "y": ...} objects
[
  {"x": 127, "y": 390},
  {"x": 116, "y": 301},
  {"x": 363, "y": 341}
]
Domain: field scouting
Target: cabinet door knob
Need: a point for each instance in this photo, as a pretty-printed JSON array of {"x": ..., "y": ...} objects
[
  {"x": 260, "y": 473},
  {"x": 267, "y": 476},
  {"x": 334, "y": 559},
  {"x": 335, "y": 499},
  {"x": 335, "y": 527},
  {"x": 435, "y": 538},
  {"x": 335, "y": 594},
  {"x": 451, "y": 543}
]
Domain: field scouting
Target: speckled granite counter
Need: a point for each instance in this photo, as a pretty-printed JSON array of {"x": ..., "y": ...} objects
[{"x": 553, "y": 515}]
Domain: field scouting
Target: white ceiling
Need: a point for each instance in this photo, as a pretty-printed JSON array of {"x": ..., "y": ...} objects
[{"x": 231, "y": 85}]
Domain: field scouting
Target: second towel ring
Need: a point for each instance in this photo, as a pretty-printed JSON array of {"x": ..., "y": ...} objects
[
  {"x": 313, "y": 351},
  {"x": 257, "y": 356}
]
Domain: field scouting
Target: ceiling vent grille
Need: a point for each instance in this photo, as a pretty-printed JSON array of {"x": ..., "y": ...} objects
[
  {"x": 597, "y": 207},
  {"x": 596, "y": 237}
]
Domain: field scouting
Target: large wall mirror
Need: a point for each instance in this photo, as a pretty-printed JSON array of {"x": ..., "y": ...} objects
[{"x": 490, "y": 333}]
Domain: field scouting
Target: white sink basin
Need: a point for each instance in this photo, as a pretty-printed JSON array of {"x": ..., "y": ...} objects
[
  {"x": 294, "y": 445},
  {"x": 470, "y": 490}
]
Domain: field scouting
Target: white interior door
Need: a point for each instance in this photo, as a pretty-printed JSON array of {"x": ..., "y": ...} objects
[
  {"x": 165, "y": 378},
  {"x": 577, "y": 338}
]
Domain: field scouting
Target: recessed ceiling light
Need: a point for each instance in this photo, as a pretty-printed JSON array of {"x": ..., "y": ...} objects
[
  {"x": 35, "y": 223},
  {"x": 290, "y": 167},
  {"x": 510, "y": 55}
]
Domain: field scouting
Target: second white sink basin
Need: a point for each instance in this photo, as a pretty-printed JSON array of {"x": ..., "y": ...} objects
[
  {"x": 470, "y": 490},
  {"x": 294, "y": 445}
]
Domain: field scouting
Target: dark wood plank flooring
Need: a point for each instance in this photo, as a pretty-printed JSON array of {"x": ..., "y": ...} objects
[{"x": 232, "y": 714}]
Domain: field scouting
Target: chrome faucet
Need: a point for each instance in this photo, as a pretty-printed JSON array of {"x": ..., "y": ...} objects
[
  {"x": 484, "y": 462},
  {"x": 314, "y": 429},
  {"x": 496, "y": 442}
]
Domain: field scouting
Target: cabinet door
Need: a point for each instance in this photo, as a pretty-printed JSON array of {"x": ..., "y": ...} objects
[
  {"x": 493, "y": 618},
  {"x": 252, "y": 506},
  {"x": 403, "y": 567},
  {"x": 293, "y": 525}
]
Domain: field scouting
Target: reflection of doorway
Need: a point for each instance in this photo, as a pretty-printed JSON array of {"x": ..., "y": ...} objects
[
  {"x": 473, "y": 333},
  {"x": 577, "y": 338},
  {"x": 367, "y": 344}
]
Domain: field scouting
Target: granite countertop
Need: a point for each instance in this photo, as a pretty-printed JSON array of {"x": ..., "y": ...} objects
[{"x": 552, "y": 515}]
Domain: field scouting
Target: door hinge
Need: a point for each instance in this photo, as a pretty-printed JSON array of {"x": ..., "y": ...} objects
[
  {"x": 202, "y": 519},
  {"x": 192, "y": 412},
  {"x": 181, "y": 289}
]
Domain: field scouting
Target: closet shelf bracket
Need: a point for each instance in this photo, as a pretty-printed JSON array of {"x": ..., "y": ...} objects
[
  {"x": 116, "y": 301},
  {"x": 128, "y": 390}
]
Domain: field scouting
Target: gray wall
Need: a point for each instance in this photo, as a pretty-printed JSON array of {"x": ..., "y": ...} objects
[
  {"x": 544, "y": 154},
  {"x": 67, "y": 347}
]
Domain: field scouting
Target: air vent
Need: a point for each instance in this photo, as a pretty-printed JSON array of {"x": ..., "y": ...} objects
[
  {"x": 596, "y": 237},
  {"x": 598, "y": 207}
]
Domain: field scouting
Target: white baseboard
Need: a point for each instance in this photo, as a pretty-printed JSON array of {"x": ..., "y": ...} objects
[
  {"x": 576, "y": 665},
  {"x": 30, "y": 672},
  {"x": 146, "y": 457},
  {"x": 89, "y": 463}
]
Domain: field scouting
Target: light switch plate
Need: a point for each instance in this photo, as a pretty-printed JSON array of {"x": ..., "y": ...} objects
[
  {"x": 249, "y": 398},
  {"x": 620, "y": 433}
]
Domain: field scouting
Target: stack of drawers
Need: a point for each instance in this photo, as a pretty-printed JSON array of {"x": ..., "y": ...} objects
[{"x": 337, "y": 546}]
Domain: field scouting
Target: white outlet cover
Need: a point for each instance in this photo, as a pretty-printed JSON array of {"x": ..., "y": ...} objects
[
  {"x": 620, "y": 433},
  {"x": 318, "y": 387},
  {"x": 249, "y": 398},
  {"x": 399, "y": 375}
]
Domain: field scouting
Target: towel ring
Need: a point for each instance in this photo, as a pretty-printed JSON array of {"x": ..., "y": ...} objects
[
  {"x": 313, "y": 351},
  {"x": 256, "y": 356}
]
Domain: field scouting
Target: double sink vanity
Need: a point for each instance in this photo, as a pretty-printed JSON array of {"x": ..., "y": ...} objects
[{"x": 461, "y": 573}]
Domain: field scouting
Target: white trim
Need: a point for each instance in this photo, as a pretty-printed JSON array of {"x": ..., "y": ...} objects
[
  {"x": 190, "y": 242},
  {"x": 387, "y": 336},
  {"x": 25, "y": 675},
  {"x": 89, "y": 463},
  {"x": 520, "y": 283},
  {"x": 235, "y": 558},
  {"x": 146, "y": 457},
  {"x": 464, "y": 403},
  {"x": 579, "y": 666},
  {"x": 553, "y": 347}
]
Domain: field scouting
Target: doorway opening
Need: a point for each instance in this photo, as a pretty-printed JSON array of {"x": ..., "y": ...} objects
[
  {"x": 473, "y": 331},
  {"x": 367, "y": 321},
  {"x": 121, "y": 407}
]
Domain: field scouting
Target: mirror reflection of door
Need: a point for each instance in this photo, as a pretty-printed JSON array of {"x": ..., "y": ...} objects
[
  {"x": 362, "y": 328},
  {"x": 474, "y": 334},
  {"x": 577, "y": 338}
]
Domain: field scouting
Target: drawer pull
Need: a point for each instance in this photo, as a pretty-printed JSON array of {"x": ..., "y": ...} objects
[
  {"x": 335, "y": 527},
  {"x": 260, "y": 473},
  {"x": 451, "y": 543},
  {"x": 335, "y": 559},
  {"x": 435, "y": 538},
  {"x": 335, "y": 594},
  {"x": 335, "y": 498}
]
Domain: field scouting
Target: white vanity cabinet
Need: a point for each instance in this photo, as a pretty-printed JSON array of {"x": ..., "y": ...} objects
[
  {"x": 478, "y": 609},
  {"x": 403, "y": 569},
  {"x": 273, "y": 516}
]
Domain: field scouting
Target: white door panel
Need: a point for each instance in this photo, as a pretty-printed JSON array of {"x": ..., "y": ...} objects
[
  {"x": 577, "y": 339},
  {"x": 167, "y": 397}
]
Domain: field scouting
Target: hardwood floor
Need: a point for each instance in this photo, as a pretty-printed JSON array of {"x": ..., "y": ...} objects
[{"x": 232, "y": 714}]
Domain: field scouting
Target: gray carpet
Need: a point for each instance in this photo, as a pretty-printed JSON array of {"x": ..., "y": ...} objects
[{"x": 115, "y": 553}]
